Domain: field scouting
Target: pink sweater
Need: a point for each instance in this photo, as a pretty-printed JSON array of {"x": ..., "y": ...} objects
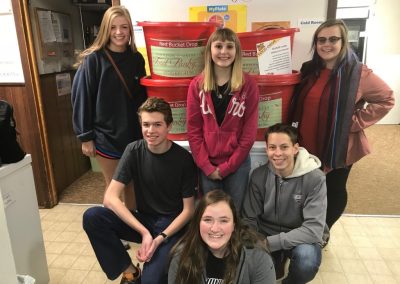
[
  {"x": 379, "y": 96},
  {"x": 228, "y": 145}
]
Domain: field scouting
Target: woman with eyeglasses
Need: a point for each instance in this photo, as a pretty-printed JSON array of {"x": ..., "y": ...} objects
[{"x": 329, "y": 109}]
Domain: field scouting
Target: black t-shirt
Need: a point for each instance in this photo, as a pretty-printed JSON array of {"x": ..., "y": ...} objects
[
  {"x": 221, "y": 101},
  {"x": 215, "y": 269},
  {"x": 160, "y": 180}
]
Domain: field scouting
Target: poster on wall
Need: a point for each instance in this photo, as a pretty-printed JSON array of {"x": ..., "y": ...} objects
[
  {"x": 229, "y": 16},
  {"x": 274, "y": 56},
  {"x": 10, "y": 58}
]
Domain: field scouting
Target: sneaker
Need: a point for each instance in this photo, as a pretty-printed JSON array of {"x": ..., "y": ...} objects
[
  {"x": 126, "y": 244},
  {"x": 132, "y": 278},
  {"x": 325, "y": 237}
]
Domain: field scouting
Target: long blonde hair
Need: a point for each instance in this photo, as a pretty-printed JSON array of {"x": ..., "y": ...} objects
[
  {"x": 237, "y": 79},
  {"x": 103, "y": 37}
]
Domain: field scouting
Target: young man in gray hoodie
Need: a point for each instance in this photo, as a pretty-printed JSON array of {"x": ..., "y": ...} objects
[{"x": 286, "y": 202}]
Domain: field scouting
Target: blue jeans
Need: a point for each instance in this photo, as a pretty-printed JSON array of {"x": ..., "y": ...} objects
[
  {"x": 234, "y": 184},
  {"x": 105, "y": 229},
  {"x": 305, "y": 260}
]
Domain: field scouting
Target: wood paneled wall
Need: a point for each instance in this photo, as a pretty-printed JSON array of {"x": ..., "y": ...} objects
[
  {"x": 67, "y": 161},
  {"x": 29, "y": 137},
  {"x": 43, "y": 120}
]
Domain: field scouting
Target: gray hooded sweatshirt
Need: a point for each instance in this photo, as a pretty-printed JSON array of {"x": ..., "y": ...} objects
[{"x": 289, "y": 211}]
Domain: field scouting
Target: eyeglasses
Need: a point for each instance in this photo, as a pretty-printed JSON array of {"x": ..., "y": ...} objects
[{"x": 331, "y": 39}]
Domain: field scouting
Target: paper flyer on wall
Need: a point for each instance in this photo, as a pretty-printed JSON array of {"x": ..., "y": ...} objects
[
  {"x": 274, "y": 57},
  {"x": 229, "y": 16}
]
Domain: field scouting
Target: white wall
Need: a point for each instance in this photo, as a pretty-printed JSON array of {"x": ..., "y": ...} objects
[
  {"x": 383, "y": 49},
  {"x": 257, "y": 11}
]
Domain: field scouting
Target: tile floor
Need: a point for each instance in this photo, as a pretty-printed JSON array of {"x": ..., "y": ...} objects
[{"x": 361, "y": 250}]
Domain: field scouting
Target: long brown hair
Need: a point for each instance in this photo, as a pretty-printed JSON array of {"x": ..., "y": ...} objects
[
  {"x": 194, "y": 251},
  {"x": 103, "y": 37},
  {"x": 237, "y": 80},
  {"x": 344, "y": 51}
]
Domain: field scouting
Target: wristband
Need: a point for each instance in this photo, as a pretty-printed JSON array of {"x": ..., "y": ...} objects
[{"x": 164, "y": 235}]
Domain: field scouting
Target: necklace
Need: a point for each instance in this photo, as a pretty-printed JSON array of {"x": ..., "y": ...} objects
[{"x": 223, "y": 90}]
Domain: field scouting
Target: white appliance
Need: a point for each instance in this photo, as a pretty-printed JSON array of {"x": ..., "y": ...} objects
[{"x": 21, "y": 238}]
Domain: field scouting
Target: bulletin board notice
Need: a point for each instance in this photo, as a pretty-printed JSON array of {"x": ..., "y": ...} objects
[
  {"x": 10, "y": 59},
  {"x": 228, "y": 16},
  {"x": 55, "y": 39}
]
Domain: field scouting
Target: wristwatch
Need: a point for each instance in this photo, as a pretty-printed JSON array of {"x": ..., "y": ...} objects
[{"x": 164, "y": 235}]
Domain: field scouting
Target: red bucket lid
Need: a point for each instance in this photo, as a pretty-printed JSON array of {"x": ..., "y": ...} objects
[
  {"x": 177, "y": 24},
  {"x": 285, "y": 79},
  {"x": 269, "y": 32},
  {"x": 148, "y": 82}
]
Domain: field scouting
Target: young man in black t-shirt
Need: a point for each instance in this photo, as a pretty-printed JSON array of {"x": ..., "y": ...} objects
[{"x": 164, "y": 179}]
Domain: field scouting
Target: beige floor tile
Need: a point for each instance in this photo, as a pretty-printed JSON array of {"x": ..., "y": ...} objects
[
  {"x": 55, "y": 247},
  {"x": 66, "y": 237},
  {"x": 53, "y": 216},
  {"x": 377, "y": 267},
  {"x": 394, "y": 233},
  {"x": 74, "y": 276},
  {"x": 84, "y": 262},
  {"x": 95, "y": 277},
  {"x": 340, "y": 240},
  {"x": 50, "y": 258},
  {"x": 56, "y": 274},
  {"x": 361, "y": 241},
  {"x": 96, "y": 267},
  {"x": 389, "y": 254},
  {"x": 331, "y": 265},
  {"x": 74, "y": 248},
  {"x": 345, "y": 252},
  {"x": 333, "y": 278},
  {"x": 352, "y": 230},
  {"x": 350, "y": 220},
  {"x": 50, "y": 235},
  {"x": 376, "y": 231},
  {"x": 383, "y": 279},
  {"x": 43, "y": 212},
  {"x": 369, "y": 253},
  {"x": 46, "y": 224},
  {"x": 370, "y": 221},
  {"x": 390, "y": 222},
  {"x": 353, "y": 266},
  {"x": 59, "y": 225},
  {"x": 384, "y": 242},
  {"x": 81, "y": 238},
  {"x": 394, "y": 266},
  {"x": 74, "y": 227},
  {"x": 327, "y": 252},
  {"x": 353, "y": 278},
  {"x": 338, "y": 229},
  {"x": 88, "y": 250},
  {"x": 63, "y": 261}
]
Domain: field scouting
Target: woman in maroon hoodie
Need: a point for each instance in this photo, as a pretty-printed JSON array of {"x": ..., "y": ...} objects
[{"x": 222, "y": 115}]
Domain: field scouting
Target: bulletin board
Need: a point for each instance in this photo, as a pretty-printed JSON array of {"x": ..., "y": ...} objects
[{"x": 55, "y": 34}]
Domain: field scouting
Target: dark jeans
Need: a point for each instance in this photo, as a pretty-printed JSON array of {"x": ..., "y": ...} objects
[
  {"x": 234, "y": 184},
  {"x": 305, "y": 260},
  {"x": 336, "y": 194},
  {"x": 105, "y": 229}
]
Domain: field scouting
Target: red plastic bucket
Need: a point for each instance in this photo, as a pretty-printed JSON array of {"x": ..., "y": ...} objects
[
  {"x": 249, "y": 40},
  {"x": 174, "y": 91},
  {"x": 276, "y": 92},
  {"x": 176, "y": 49}
]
